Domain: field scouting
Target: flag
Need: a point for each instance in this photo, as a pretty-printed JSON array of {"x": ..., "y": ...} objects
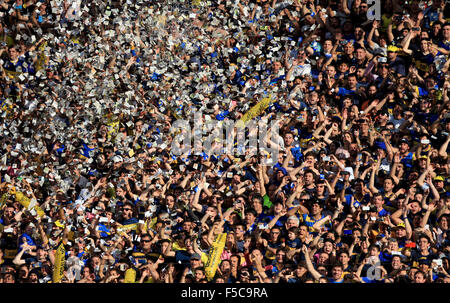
[
  {"x": 214, "y": 256},
  {"x": 25, "y": 202},
  {"x": 58, "y": 267},
  {"x": 256, "y": 110}
]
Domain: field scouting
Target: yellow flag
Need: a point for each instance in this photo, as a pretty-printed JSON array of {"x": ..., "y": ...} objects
[
  {"x": 152, "y": 223},
  {"x": 42, "y": 59},
  {"x": 124, "y": 228},
  {"x": 3, "y": 199},
  {"x": 130, "y": 276},
  {"x": 58, "y": 267},
  {"x": 113, "y": 126},
  {"x": 214, "y": 256},
  {"x": 25, "y": 201},
  {"x": 256, "y": 110}
]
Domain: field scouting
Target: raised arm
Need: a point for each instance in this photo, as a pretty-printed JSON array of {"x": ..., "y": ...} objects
[
  {"x": 321, "y": 222},
  {"x": 407, "y": 42},
  {"x": 309, "y": 264},
  {"x": 430, "y": 209},
  {"x": 345, "y": 7},
  {"x": 375, "y": 168},
  {"x": 443, "y": 148}
]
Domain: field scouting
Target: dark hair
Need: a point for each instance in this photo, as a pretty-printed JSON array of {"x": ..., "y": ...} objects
[
  {"x": 259, "y": 198},
  {"x": 343, "y": 252},
  {"x": 251, "y": 211},
  {"x": 447, "y": 216},
  {"x": 423, "y": 236}
]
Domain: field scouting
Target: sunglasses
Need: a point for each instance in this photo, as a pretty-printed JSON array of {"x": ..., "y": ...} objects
[{"x": 127, "y": 209}]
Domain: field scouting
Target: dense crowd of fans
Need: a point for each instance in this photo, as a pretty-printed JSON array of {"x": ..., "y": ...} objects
[{"x": 91, "y": 191}]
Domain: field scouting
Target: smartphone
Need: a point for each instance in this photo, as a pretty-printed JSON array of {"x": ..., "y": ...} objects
[
  {"x": 382, "y": 59},
  {"x": 326, "y": 159},
  {"x": 438, "y": 262},
  {"x": 8, "y": 230},
  {"x": 425, "y": 141}
]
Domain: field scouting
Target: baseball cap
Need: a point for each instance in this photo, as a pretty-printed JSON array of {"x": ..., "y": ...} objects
[
  {"x": 196, "y": 256},
  {"x": 380, "y": 51},
  {"x": 404, "y": 141},
  {"x": 400, "y": 225},
  {"x": 438, "y": 178},
  {"x": 117, "y": 159},
  {"x": 393, "y": 48}
]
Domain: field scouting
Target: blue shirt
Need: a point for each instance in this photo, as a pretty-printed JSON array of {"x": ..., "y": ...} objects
[{"x": 345, "y": 92}]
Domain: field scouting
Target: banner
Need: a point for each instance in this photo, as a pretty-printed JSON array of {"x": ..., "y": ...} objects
[
  {"x": 58, "y": 267},
  {"x": 3, "y": 199},
  {"x": 112, "y": 122},
  {"x": 257, "y": 109},
  {"x": 42, "y": 59},
  {"x": 130, "y": 276},
  {"x": 25, "y": 201},
  {"x": 214, "y": 256},
  {"x": 124, "y": 228}
]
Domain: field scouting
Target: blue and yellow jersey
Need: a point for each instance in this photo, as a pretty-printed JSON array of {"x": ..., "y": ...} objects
[
  {"x": 357, "y": 202},
  {"x": 293, "y": 244},
  {"x": 408, "y": 160},
  {"x": 269, "y": 254},
  {"x": 310, "y": 221}
]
